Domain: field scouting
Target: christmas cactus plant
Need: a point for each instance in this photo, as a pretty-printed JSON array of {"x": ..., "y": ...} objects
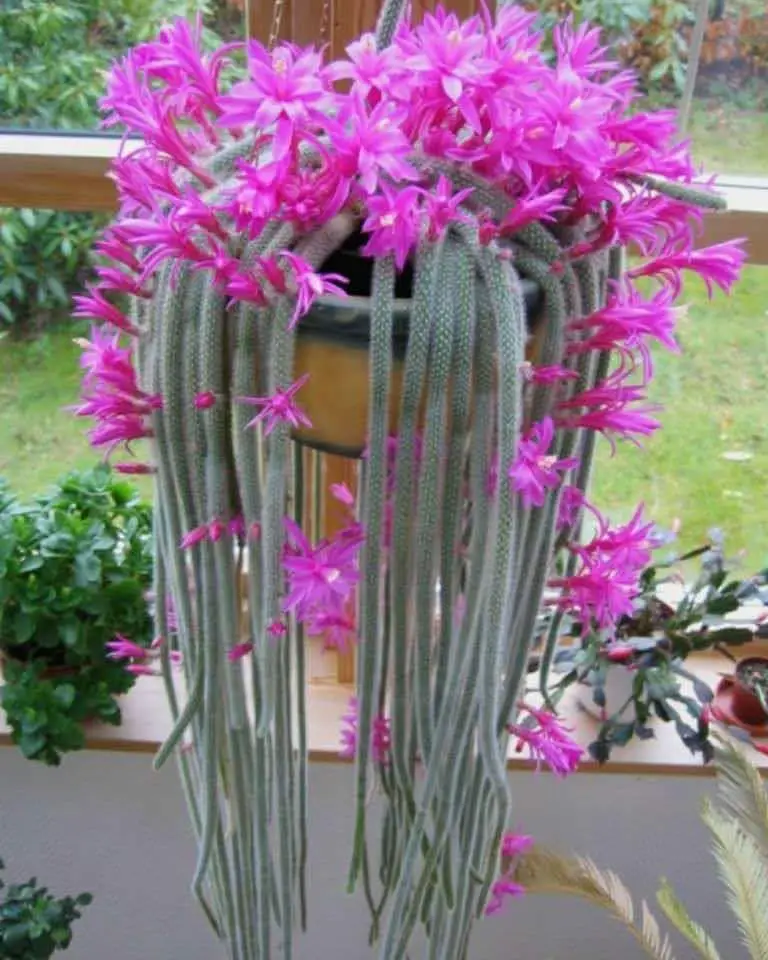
[{"x": 460, "y": 166}]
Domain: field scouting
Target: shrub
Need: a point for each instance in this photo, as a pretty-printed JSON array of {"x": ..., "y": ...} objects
[
  {"x": 51, "y": 77},
  {"x": 75, "y": 569},
  {"x": 33, "y": 923}
]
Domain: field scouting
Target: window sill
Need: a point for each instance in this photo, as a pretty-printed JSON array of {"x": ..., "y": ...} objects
[{"x": 146, "y": 722}]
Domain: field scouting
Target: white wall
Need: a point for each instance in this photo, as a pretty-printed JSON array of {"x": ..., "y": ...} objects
[{"x": 107, "y": 823}]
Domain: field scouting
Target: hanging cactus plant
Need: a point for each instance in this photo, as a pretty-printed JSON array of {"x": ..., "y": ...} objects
[{"x": 478, "y": 184}]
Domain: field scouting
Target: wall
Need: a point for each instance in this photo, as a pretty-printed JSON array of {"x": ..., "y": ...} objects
[{"x": 107, "y": 823}]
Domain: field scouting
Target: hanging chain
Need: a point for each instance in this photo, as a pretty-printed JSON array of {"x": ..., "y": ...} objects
[
  {"x": 277, "y": 19},
  {"x": 325, "y": 24}
]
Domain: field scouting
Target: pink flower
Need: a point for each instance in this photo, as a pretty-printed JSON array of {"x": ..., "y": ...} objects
[
  {"x": 368, "y": 142},
  {"x": 349, "y": 730},
  {"x": 286, "y": 89},
  {"x": 95, "y": 306},
  {"x": 349, "y": 733},
  {"x": 367, "y": 68},
  {"x": 628, "y": 546},
  {"x": 535, "y": 470},
  {"x": 501, "y": 890},
  {"x": 192, "y": 537},
  {"x": 512, "y": 846},
  {"x": 321, "y": 577},
  {"x": 336, "y": 628},
  {"x": 216, "y": 530},
  {"x": 121, "y": 648},
  {"x": 441, "y": 207},
  {"x": 393, "y": 223},
  {"x": 343, "y": 494},
  {"x": 279, "y": 408},
  {"x": 239, "y": 651},
  {"x": 236, "y": 527},
  {"x": 277, "y": 629},
  {"x": 598, "y": 592},
  {"x": 204, "y": 401},
  {"x": 718, "y": 266},
  {"x": 547, "y": 741},
  {"x": 310, "y": 285},
  {"x": 134, "y": 469}
]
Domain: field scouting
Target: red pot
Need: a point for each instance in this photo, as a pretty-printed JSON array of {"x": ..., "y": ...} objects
[{"x": 746, "y": 704}]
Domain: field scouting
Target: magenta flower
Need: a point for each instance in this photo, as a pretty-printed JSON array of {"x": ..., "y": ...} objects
[
  {"x": 718, "y": 266},
  {"x": 336, "y": 628},
  {"x": 547, "y": 741},
  {"x": 286, "y": 89},
  {"x": 368, "y": 68},
  {"x": 598, "y": 593},
  {"x": 441, "y": 207},
  {"x": 512, "y": 846},
  {"x": 629, "y": 546},
  {"x": 279, "y": 408},
  {"x": 535, "y": 470},
  {"x": 96, "y": 307},
  {"x": 205, "y": 400},
  {"x": 192, "y": 537},
  {"x": 393, "y": 223},
  {"x": 310, "y": 285},
  {"x": 121, "y": 648},
  {"x": 368, "y": 142},
  {"x": 349, "y": 734},
  {"x": 239, "y": 651},
  {"x": 321, "y": 577},
  {"x": 343, "y": 494},
  {"x": 277, "y": 629},
  {"x": 134, "y": 469}
]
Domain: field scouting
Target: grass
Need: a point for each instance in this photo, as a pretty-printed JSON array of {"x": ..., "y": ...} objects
[
  {"x": 730, "y": 140},
  {"x": 707, "y": 467}
]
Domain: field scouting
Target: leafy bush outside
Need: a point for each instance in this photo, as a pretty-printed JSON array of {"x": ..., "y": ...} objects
[{"x": 54, "y": 55}]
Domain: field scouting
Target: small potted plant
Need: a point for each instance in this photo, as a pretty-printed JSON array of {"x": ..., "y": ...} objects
[
  {"x": 637, "y": 672},
  {"x": 75, "y": 568},
  {"x": 33, "y": 923}
]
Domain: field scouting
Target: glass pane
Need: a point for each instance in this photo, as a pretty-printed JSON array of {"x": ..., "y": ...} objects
[
  {"x": 54, "y": 52},
  {"x": 707, "y": 467},
  {"x": 729, "y": 115}
]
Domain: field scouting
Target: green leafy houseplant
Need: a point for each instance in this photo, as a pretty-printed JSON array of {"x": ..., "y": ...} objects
[
  {"x": 738, "y": 824},
  {"x": 33, "y": 923},
  {"x": 75, "y": 568},
  {"x": 640, "y": 674}
]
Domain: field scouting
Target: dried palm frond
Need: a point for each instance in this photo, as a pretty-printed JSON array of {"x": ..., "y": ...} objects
[{"x": 543, "y": 871}]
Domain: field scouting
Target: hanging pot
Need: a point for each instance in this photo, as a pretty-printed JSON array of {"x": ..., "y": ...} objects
[{"x": 332, "y": 347}]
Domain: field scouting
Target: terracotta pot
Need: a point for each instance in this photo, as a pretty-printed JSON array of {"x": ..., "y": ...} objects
[
  {"x": 332, "y": 347},
  {"x": 745, "y": 703}
]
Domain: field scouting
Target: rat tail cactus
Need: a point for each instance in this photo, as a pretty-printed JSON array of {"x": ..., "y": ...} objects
[{"x": 457, "y": 155}]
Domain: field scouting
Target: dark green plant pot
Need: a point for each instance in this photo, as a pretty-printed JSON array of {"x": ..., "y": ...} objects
[{"x": 332, "y": 347}]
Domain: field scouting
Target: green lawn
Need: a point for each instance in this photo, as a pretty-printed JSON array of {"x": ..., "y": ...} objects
[
  {"x": 708, "y": 467},
  {"x": 729, "y": 140}
]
